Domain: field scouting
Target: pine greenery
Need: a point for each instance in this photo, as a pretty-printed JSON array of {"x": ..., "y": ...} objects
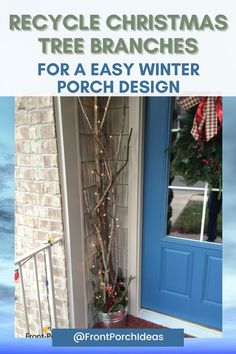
[{"x": 194, "y": 160}]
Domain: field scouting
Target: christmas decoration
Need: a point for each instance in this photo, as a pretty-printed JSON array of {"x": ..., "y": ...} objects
[
  {"x": 196, "y": 160},
  {"x": 208, "y": 117},
  {"x": 46, "y": 330},
  {"x": 50, "y": 239},
  {"x": 16, "y": 275},
  {"x": 110, "y": 291},
  {"x": 116, "y": 296}
]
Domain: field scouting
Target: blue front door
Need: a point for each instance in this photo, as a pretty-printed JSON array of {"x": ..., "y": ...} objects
[{"x": 180, "y": 277}]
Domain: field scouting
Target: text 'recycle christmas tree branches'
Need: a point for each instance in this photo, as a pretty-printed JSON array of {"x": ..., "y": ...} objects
[{"x": 136, "y": 23}]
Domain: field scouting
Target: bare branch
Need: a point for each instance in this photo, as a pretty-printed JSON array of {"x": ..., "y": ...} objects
[
  {"x": 113, "y": 224},
  {"x": 103, "y": 252},
  {"x": 105, "y": 112},
  {"x": 127, "y": 154},
  {"x": 120, "y": 138},
  {"x": 114, "y": 177},
  {"x": 93, "y": 132},
  {"x": 102, "y": 219},
  {"x": 116, "y": 262}
]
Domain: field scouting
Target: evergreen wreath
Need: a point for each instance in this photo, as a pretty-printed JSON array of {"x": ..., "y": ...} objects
[{"x": 196, "y": 160}]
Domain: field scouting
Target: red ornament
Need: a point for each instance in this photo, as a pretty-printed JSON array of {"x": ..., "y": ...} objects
[
  {"x": 109, "y": 290},
  {"x": 109, "y": 303},
  {"x": 206, "y": 162},
  {"x": 16, "y": 275}
]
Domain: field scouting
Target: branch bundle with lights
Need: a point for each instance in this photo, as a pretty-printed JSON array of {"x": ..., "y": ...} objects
[{"x": 110, "y": 290}]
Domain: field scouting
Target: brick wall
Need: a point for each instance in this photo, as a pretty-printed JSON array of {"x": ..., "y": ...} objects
[{"x": 38, "y": 207}]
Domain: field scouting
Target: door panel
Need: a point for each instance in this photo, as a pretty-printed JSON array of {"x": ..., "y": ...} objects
[
  {"x": 180, "y": 277},
  {"x": 176, "y": 268}
]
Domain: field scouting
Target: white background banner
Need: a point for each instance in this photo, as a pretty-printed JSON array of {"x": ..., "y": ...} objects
[{"x": 21, "y": 51}]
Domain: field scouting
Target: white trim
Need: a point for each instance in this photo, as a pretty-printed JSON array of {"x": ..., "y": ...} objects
[
  {"x": 190, "y": 328},
  {"x": 70, "y": 178},
  {"x": 136, "y": 122},
  {"x": 204, "y": 212},
  {"x": 201, "y": 189},
  {"x": 192, "y": 240}
]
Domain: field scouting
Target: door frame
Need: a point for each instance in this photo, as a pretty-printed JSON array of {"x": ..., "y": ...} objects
[
  {"x": 66, "y": 116},
  {"x": 135, "y": 200}
]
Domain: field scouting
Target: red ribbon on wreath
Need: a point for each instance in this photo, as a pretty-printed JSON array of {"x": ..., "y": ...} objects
[{"x": 207, "y": 117}]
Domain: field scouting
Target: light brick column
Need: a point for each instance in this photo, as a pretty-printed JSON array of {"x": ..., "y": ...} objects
[{"x": 38, "y": 206}]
